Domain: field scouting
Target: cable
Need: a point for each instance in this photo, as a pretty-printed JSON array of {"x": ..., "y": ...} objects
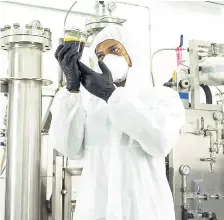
[
  {"x": 163, "y": 49},
  {"x": 68, "y": 14},
  {"x": 151, "y": 67},
  {"x": 219, "y": 90},
  {"x": 156, "y": 52}
]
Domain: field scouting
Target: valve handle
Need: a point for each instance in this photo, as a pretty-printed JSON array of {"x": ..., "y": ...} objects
[{"x": 181, "y": 40}]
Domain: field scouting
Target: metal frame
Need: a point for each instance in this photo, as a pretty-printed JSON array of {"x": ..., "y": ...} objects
[{"x": 194, "y": 48}]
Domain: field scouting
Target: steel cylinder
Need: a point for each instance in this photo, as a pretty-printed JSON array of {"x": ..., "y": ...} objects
[{"x": 25, "y": 47}]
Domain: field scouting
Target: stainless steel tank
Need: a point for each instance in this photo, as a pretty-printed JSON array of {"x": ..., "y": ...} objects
[{"x": 25, "y": 46}]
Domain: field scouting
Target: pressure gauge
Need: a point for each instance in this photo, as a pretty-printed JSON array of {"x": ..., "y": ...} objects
[
  {"x": 111, "y": 6},
  {"x": 218, "y": 116},
  {"x": 185, "y": 170}
]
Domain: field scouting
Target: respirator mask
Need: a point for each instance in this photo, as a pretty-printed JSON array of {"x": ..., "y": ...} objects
[{"x": 118, "y": 67}]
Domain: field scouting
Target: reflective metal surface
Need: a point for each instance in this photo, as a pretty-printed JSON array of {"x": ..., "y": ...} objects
[
  {"x": 57, "y": 203},
  {"x": 23, "y": 177},
  {"x": 67, "y": 201},
  {"x": 44, "y": 163},
  {"x": 23, "y": 141}
]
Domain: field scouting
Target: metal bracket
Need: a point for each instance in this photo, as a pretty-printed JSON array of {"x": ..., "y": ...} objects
[
  {"x": 3, "y": 88},
  {"x": 62, "y": 207}
]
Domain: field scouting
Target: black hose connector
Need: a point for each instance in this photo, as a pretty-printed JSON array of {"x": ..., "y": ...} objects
[
  {"x": 205, "y": 215},
  {"x": 185, "y": 214},
  {"x": 213, "y": 217},
  {"x": 190, "y": 216}
]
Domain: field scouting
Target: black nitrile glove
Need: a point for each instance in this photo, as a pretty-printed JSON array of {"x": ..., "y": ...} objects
[
  {"x": 100, "y": 85},
  {"x": 67, "y": 55}
]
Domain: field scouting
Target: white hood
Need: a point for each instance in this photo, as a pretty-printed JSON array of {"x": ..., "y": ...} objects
[{"x": 137, "y": 75}]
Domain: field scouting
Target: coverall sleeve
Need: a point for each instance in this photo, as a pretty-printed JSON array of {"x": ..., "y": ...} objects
[
  {"x": 67, "y": 126},
  {"x": 153, "y": 117}
]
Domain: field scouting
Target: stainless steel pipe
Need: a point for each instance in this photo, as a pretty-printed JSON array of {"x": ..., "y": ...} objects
[
  {"x": 24, "y": 126},
  {"x": 25, "y": 47}
]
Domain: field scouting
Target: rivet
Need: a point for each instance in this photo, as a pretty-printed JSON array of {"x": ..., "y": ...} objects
[
  {"x": 28, "y": 26},
  {"x": 7, "y": 27},
  {"x": 16, "y": 25}
]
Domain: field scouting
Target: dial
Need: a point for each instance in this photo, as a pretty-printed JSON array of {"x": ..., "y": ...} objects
[
  {"x": 185, "y": 170},
  {"x": 111, "y": 6},
  {"x": 218, "y": 116}
]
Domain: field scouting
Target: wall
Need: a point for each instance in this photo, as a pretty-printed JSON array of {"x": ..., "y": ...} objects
[{"x": 168, "y": 22}]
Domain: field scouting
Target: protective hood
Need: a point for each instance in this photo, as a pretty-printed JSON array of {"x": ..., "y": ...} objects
[{"x": 137, "y": 74}]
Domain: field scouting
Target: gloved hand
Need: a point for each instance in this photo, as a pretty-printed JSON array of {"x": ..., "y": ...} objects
[
  {"x": 100, "y": 85},
  {"x": 67, "y": 55}
]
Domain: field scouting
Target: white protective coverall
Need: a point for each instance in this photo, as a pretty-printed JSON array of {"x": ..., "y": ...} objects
[{"x": 123, "y": 142}]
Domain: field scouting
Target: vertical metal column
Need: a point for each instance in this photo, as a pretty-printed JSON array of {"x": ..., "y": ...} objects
[
  {"x": 25, "y": 47},
  {"x": 194, "y": 71},
  {"x": 57, "y": 187},
  {"x": 44, "y": 165}
]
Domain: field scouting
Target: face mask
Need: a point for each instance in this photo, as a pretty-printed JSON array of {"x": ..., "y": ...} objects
[{"x": 118, "y": 67}]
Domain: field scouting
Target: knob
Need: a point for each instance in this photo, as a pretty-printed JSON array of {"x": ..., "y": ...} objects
[{"x": 185, "y": 170}]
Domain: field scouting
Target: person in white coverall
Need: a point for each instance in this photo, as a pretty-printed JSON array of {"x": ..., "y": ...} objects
[{"x": 123, "y": 130}]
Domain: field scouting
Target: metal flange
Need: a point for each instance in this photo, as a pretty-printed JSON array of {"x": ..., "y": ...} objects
[
  {"x": 32, "y": 33},
  {"x": 45, "y": 82},
  {"x": 98, "y": 24}
]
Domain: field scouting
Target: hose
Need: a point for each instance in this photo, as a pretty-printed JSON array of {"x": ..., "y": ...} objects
[
  {"x": 156, "y": 52},
  {"x": 208, "y": 94},
  {"x": 68, "y": 14}
]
